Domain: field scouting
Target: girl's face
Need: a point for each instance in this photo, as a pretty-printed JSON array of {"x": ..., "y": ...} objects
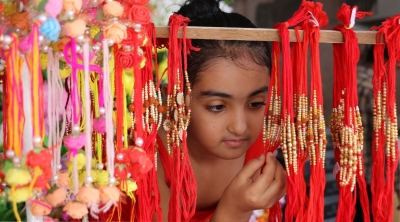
[{"x": 228, "y": 103}]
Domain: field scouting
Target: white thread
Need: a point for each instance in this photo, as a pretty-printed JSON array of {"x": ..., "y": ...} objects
[
  {"x": 55, "y": 109},
  {"x": 50, "y": 107},
  {"x": 336, "y": 169},
  {"x": 60, "y": 107},
  {"x": 88, "y": 146},
  {"x": 353, "y": 17},
  {"x": 313, "y": 20},
  {"x": 108, "y": 114}
]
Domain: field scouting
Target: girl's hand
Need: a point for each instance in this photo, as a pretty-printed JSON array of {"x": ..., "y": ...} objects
[{"x": 250, "y": 190}]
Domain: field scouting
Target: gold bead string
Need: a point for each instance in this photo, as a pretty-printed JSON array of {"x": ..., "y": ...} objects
[
  {"x": 316, "y": 135},
  {"x": 273, "y": 118},
  {"x": 289, "y": 144},
  {"x": 299, "y": 109}
]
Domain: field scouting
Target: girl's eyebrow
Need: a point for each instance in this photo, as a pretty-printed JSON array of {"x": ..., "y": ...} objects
[
  {"x": 213, "y": 93},
  {"x": 259, "y": 91}
]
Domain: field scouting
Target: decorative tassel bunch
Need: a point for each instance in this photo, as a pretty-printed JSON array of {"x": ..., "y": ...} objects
[
  {"x": 385, "y": 133},
  {"x": 86, "y": 49},
  {"x": 346, "y": 127},
  {"x": 183, "y": 184}
]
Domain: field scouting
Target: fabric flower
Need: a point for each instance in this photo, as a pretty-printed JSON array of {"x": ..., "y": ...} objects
[
  {"x": 109, "y": 193},
  {"x": 138, "y": 2},
  {"x": 139, "y": 14},
  {"x": 39, "y": 208},
  {"x": 53, "y": 8},
  {"x": 39, "y": 157},
  {"x": 72, "y": 5},
  {"x": 120, "y": 171},
  {"x": 76, "y": 209},
  {"x": 63, "y": 179},
  {"x": 115, "y": 31},
  {"x": 44, "y": 176},
  {"x": 20, "y": 20},
  {"x": 75, "y": 143},
  {"x": 113, "y": 8},
  {"x": 125, "y": 59},
  {"x": 88, "y": 194},
  {"x": 51, "y": 29},
  {"x": 129, "y": 40},
  {"x": 56, "y": 196},
  {"x": 74, "y": 29}
]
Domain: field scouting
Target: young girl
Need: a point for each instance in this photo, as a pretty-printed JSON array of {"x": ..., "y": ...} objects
[{"x": 229, "y": 82}]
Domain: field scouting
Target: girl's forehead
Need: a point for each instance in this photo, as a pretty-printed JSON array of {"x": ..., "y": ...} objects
[{"x": 232, "y": 76}]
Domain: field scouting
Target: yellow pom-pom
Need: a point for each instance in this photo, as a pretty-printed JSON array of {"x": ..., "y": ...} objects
[
  {"x": 9, "y": 8},
  {"x": 82, "y": 176},
  {"x": 18, "y": 176},
  {"x": 44, "y": 59},
  {"x": 101, "y": 178},
  {"x": 21, "y": 195},
  {"x": 64, "y": 73},
  {"x": 94, "y": 31},
  {"x": 129, "y": 187},
  {"x": 94, "y": 163},
  {"x": 80, "y": 162}
]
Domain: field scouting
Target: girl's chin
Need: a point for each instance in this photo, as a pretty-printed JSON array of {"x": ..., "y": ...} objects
[{"x": 231, "y": 154}]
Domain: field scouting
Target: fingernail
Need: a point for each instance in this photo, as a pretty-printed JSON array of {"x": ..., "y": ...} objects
[
  {"x": 269, "y": 154},
  {"x": 262, "y": 157}
]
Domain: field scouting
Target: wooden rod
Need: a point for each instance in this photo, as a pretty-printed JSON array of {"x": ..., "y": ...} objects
[{"x": 258, "y": 34}]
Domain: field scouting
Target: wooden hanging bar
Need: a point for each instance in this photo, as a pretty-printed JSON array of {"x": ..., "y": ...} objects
[{"x": 258, "y": 34}]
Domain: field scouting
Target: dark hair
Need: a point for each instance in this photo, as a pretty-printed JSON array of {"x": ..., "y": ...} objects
[{"x": 207, "y": 13}]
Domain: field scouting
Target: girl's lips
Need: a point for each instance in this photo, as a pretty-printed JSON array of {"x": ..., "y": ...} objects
[{"x": 234, "y": 143}]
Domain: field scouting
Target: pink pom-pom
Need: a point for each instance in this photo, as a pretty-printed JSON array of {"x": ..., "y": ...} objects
[
  {"x": 24, "y": 44},
  {"x": 75, "y": 143},
  {"x": 99, "y": 125},
  {"x": 53, "y": 8}
]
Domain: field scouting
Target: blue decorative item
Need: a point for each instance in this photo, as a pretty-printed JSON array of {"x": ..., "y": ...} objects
[{"x": 51, "y": 29}]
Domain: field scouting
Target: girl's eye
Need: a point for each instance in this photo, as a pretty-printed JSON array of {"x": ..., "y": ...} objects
[
  {"x": 216, "y": 109},
  {"x": 256, "y": 105}
]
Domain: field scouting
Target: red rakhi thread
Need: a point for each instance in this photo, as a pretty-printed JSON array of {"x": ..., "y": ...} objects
[
  {"x": 287, "y": 133},
  {"x": 182, "y": 204},
  {"x": 385, "y": 119},
  {"x": 346, "y": 127},
  {"x": 300, "y": 101},
  {"x": 316, "y": 134}
]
